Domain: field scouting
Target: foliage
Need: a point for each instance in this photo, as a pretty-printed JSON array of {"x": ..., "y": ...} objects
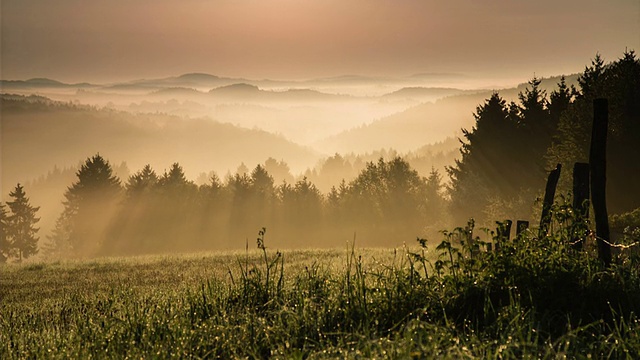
[
  {"x": 619, "y": 82},
  {"x": 504, "y": 156},
  {"x": 527, "y": 298},
  {"x": 19, "y": 231},
  {"x": 5, "y": 246},
  {"x": 497, "y": 158},
  {"x": 88, "y": 207},
  {"x": 385, "y": 204}
]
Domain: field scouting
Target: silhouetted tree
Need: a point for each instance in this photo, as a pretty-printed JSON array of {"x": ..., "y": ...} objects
[
  {"x": 619, "y": 82},
  {"x": 4, "y": 240},
  {"x": 490, "y": 160},
  {"x": 141, "y": 182},
  {"x": 21, "y": 230},
  {"x": 559, "y": 101},
  {"x": 538, "y": 129},
  {"x": 90, "y": 203}
]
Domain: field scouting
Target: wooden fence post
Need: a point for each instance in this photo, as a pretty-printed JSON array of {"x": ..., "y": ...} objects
[
  {"x": 549, "y": 194},
  {"x": 580, "y": 202},
  {"x": 598, "y": 167},
  {"x": 503, "y": 231},
  {"x": 521, "y": 226}
]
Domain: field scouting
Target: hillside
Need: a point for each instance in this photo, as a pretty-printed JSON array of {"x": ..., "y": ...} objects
[
  {"x": 38, "y": 133},
  {"x": 425, "y": 123}
]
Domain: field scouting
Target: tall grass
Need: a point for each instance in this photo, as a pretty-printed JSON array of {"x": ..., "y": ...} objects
[{"x": 531, "y": 298}]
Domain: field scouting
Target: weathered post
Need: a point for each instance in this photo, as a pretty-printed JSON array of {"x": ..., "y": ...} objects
[
  {"x": 580, "y": 202},
  {"x": 521, "y": 226},
  {"x": 598, "y": 167},
  {"x": 506, "y": 229},
  {"x": 549, "y": 194},
  {"x": 503, "y": 233}
]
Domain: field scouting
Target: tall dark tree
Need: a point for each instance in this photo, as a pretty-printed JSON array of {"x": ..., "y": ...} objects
[
  {"x": 21, "y": 230},
  {"x": 89, "y": 206},
  {"x": 4, "y": 240},
  {"x": 141, "y": 182},
  {"x": 491, "y": 164},
  {"x": 619, "y": 82},
  {"x": 559, "y": 101},
  {"x": 538, "y": 130}
]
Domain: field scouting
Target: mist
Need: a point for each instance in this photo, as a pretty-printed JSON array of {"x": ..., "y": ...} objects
[
  {"x": 214, "y": 127},
  {"x": 320, "y": 120}
]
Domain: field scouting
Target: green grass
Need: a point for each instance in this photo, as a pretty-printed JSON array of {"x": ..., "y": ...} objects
[{"x": 534, "y": 298}]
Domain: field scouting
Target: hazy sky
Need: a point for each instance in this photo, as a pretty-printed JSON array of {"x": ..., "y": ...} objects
[{"x": 114, "y": 40}]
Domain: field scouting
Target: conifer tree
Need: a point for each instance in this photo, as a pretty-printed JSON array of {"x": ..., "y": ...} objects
[
  {"x": 142, "y": 182},
  {"x": 89, "y": 205},
  {"x": 4, "y": 241},
  {"x": 21, "y": 230},
  {"x": 619, "y": 83}
]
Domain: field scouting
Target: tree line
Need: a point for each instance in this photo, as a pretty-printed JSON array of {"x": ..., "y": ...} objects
[
  {"x": 507, "y": 155},
  {"x": 504, "y": 161},
  {"x": 161, "y": 213}
]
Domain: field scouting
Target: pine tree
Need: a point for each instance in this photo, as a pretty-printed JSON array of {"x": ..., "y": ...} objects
[
  {"x": 538, "y": 129},
  {"x": 619, "y": 82},
  {"x": 491, "y": 163},
  {"x": 560, "y": 99},
  {"x": 141, "y": 182},
  {"x": 89, "y": 206},
  {"x": 21, "y": 230},
  {"x": 4, "y": 241}
]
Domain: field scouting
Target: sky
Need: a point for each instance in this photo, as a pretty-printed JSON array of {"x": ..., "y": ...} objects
[{"x": 117, "y": 40}]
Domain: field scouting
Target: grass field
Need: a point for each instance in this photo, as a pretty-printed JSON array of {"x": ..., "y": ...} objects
[{"x": 531, "y": 299}]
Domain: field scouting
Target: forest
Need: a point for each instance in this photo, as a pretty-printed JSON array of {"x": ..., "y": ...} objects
[{"x": 501, "y": 169}]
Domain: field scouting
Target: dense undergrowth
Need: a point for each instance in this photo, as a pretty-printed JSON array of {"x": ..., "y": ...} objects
[{"x": 530, "y": 297}]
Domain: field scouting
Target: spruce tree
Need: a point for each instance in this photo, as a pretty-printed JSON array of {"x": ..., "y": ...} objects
[
  {"x": 89, "y": 206},
  {"x": 21, "y": 230},
  {"x": 4, "y": 241}
]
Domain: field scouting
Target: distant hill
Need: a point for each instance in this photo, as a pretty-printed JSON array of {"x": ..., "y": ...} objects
[
  {"x": 36, "y": 83},
  {"x": 236, "y": 89},
  {"x": 244, "y": 92},
  {"x": 424, "y": 123},
  {"x": 38, "y": 133},
  {"x": 199, "y": 78},
  {"x": 422, "y": 94},
  {"x": 177, "y": 91},
  {"x": 410, "y": 129}
]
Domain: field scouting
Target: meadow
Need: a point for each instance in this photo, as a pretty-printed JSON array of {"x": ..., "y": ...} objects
[{"x": 530, "y": 298}]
